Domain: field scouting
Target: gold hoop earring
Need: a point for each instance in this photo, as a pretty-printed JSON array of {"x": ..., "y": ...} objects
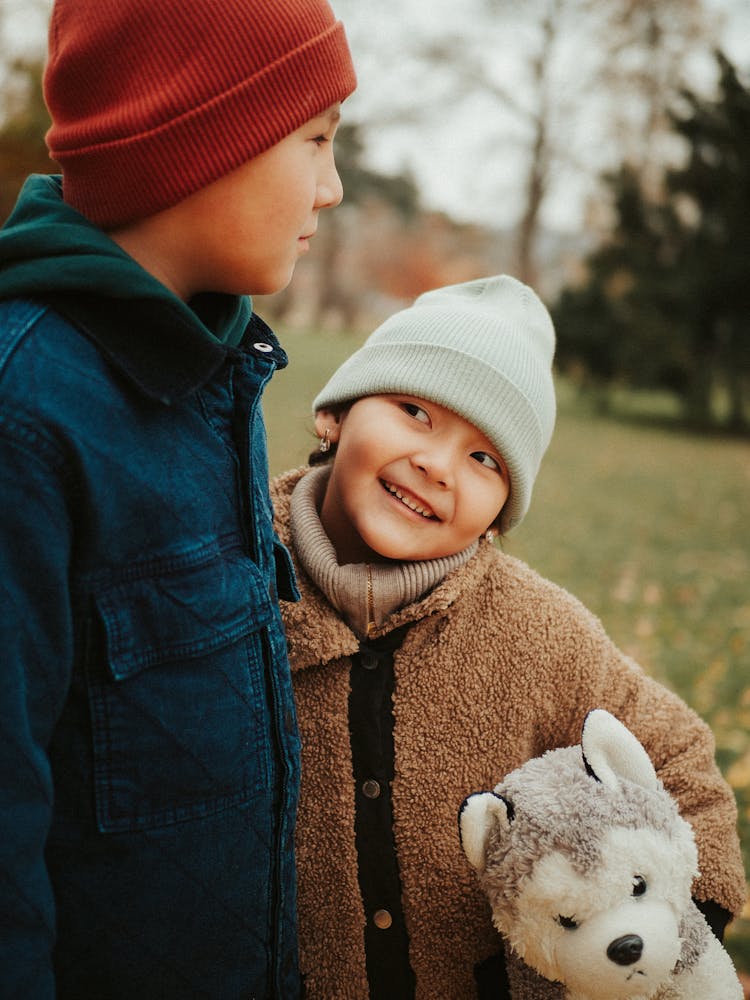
[{"x": 325, "y": 441}]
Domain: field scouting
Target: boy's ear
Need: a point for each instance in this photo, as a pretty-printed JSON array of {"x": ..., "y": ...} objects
[{"x": 328, "y": 420}]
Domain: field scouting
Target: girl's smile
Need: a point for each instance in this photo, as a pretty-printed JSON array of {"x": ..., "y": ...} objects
[{"x": 410, "y": 501}]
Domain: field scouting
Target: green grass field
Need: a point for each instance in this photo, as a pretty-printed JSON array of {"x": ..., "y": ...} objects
[{"x": 648, "y": 526}]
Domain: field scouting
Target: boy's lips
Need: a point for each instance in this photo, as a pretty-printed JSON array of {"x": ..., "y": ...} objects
[
  {"x": 410, "y": 500},
  {"x": 303, "y": 242}
]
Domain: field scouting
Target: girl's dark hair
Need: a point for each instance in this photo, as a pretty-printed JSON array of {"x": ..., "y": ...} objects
[{"x": 318, "y": 457}]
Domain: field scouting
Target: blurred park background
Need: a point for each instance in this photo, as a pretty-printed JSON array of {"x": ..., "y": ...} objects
[{"x": 601, "y": 151}]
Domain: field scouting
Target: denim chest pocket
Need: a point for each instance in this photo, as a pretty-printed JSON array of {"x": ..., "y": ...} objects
[{"x": 179, "y": 712}]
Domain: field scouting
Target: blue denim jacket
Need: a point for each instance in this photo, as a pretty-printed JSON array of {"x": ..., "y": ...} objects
[{"x": 148, "y": 741}]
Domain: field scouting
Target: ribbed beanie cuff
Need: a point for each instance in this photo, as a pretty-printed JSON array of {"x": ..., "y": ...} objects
[
  {"x": 482, "y": 349},
  {"x": 152, "y": 100}
]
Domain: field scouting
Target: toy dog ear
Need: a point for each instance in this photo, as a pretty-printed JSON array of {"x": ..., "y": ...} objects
[
  {"x": 480, "y": 813},
  {"x": 611, "y": 752}
]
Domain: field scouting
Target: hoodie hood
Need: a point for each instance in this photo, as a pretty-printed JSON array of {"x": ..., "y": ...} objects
[{"x": 48, "y": 250}]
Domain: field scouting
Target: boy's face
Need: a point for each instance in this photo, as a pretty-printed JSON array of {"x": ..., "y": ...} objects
[
  {"x": 244, "y": 233},
  {"x": 259, "y": 220},
  {"x": 411, "y": 480}
]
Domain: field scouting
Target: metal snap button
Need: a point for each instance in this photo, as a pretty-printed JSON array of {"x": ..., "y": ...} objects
[
  {"x": 370, "y": 788},
  {"x": 264, "y": 348},
  {"x": 382, "y": 919}
]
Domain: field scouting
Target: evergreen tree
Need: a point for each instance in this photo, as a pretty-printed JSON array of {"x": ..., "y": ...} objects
[
  {"x": 715, "y": 261},
  {"x": 667, "y": 300}
]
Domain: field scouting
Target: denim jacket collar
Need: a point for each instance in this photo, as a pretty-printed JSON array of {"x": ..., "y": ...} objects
[{"x": 152, "y": 344}]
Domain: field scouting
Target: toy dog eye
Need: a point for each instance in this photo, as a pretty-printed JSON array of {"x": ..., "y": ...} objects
[
  {"x": 567, "y": 922},
  {"x": 639, "y": 885}
]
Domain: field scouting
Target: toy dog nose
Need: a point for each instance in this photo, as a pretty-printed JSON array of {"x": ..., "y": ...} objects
[{"x": 625, "y": 950}]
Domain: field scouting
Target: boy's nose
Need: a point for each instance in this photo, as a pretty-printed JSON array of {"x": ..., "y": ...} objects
[{"x": 330, "y": 189}]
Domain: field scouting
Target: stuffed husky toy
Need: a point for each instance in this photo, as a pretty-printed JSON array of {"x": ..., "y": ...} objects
[{"x": 588, "y": 866}]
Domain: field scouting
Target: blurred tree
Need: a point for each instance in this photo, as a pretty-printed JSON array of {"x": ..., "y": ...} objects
[
  {"x": 559, "y": 72},
  {"x": 361, "y": 183},
  {"x": 645, "y": 46},
  {"x": 713, "y": 190},
  {"x": 23, "y": 115},
  {"x": 431, "y": 250},
  {"x": 23, "y": 124},
  {"x": 666, "y": 301}
]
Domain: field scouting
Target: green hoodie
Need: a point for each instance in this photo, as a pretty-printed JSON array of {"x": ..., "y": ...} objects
[{"x": 49, "y": 249}]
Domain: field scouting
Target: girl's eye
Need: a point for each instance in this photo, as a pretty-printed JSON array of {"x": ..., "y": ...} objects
[
  {"x": 487, "y": 460},
  {"x": 320, "y": 140},
  {"x": 417, "y": 412}
]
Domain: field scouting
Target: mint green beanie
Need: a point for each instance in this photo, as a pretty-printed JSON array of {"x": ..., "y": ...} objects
[{"x": 483, "y": 349}]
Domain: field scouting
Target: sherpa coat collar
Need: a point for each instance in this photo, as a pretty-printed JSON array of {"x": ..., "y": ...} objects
[{"x": 498, "y": 666}]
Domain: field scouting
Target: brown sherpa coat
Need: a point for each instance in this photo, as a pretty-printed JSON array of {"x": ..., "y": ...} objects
[{"x": 499, "y": 666}]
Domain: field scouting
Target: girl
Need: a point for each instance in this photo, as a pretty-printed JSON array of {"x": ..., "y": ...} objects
[{"x": 427, "y": 663}]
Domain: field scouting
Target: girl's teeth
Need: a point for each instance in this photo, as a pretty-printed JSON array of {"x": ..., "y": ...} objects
[{"x": 407, "y": 502}]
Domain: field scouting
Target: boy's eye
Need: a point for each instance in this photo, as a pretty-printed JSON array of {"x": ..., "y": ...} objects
[
  {"x": 417, "y": 412},
  {"x": 320, "y": 140},
  {"x": 487, "y": 460}
]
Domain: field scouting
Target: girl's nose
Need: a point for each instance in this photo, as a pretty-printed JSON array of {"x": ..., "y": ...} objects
[{"x": 435, "y": 465}]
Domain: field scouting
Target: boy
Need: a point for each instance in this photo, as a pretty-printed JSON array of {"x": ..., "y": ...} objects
[{"x": 149, "y": 760}]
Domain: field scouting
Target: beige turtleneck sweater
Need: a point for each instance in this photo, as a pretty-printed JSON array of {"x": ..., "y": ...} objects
[{"x": 364, "y": 593}]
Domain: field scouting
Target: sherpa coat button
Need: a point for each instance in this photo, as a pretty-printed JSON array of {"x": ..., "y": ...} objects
[
  {"x": 382, "y": 919},
  {"x": 370, "y": 788}
]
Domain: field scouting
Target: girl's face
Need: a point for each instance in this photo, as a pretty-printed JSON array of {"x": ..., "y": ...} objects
[{"x": 411, "y": 480}]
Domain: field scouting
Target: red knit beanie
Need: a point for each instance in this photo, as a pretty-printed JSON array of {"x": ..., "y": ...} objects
[{"x": 152, "y": 100}]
